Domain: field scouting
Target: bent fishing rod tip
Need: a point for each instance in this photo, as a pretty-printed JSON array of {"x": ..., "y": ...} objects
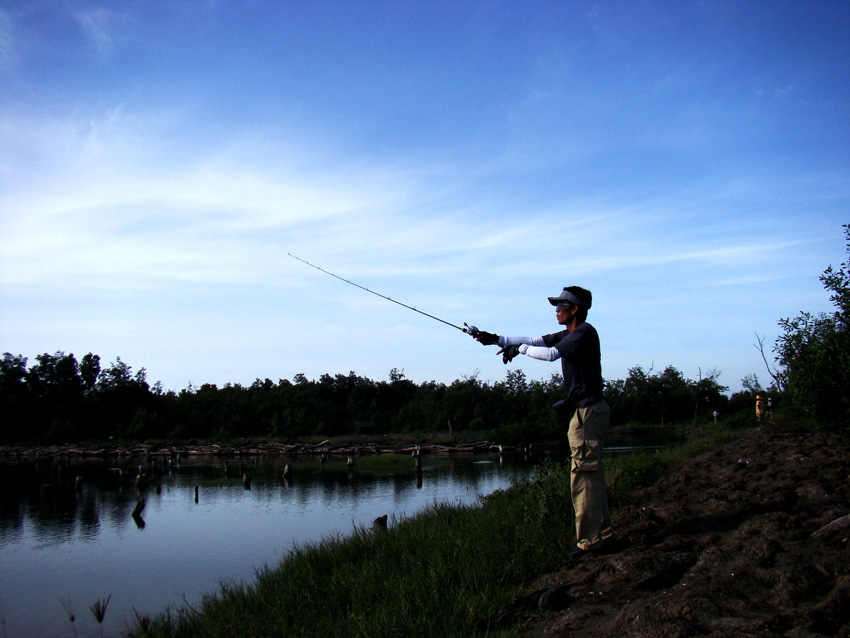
[{"x": 468, "y": 329}]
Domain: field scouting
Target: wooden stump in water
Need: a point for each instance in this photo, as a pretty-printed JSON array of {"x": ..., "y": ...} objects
[{"x": 140, "y": 506}]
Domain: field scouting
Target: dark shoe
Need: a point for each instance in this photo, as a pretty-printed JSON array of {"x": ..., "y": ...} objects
[{"x": 577, "y": 552}]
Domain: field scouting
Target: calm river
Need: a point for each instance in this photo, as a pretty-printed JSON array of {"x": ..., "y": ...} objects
[{"x": 65, "y": 544}]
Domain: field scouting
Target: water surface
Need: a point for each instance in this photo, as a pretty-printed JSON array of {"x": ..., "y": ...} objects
[{"x": 64, "y": 540}]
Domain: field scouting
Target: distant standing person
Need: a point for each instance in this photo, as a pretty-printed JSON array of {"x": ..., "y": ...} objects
[
  {"x": 769, "y": 413},
  {"x": 577, "y": 347},
  {"x": 759, "y": 409},
  {"x": 716, "y": 416}
]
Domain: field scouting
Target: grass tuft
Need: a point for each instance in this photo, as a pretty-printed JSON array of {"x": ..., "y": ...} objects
[
  {"x": 98, "y": 610},
  {"x": 68, "y": 606}
]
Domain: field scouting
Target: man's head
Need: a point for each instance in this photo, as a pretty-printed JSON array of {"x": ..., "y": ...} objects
[{"x": 574, "y": 297}]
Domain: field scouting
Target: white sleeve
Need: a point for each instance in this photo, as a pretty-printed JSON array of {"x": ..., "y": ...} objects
[
  {"x": 515, "y": 341},
  {"x": 542, "y": 353}
]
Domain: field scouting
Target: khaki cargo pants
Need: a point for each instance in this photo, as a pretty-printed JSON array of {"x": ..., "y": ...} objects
[{"x": 588, "y": 428}]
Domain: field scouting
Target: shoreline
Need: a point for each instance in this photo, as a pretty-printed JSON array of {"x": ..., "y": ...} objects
[{"x": 255, "y": 449}]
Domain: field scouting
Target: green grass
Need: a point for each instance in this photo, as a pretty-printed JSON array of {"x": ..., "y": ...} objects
[{"x": 445, "y": 572}]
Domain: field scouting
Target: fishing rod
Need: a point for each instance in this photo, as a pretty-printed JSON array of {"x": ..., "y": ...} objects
[{"x": 471, "y": 330}]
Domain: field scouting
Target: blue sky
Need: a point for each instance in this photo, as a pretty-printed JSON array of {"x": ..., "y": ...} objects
[{"x": 687, "y": 161}]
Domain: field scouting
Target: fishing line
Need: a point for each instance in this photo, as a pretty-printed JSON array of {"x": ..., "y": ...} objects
[
  {"x": 471, "y": 330},
  {"x": 467, "y": 328}
]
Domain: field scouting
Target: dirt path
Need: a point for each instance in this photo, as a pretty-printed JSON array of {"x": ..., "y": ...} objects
[{"x": 747, "y": 540}]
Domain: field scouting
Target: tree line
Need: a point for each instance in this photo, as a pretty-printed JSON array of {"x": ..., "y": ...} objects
[
  {"x": 59, "y": 399},
  {"x": 813, "y": 353}
]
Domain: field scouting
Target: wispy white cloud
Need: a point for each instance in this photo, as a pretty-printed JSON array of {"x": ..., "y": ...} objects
[
  {"x": 101, "y": 26},
  {"x": 112, "y": 198},
  {"x": 110, "y": 209}
]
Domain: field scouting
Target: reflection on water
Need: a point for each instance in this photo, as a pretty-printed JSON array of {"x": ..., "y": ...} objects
[{"x": 155, "y": 533}]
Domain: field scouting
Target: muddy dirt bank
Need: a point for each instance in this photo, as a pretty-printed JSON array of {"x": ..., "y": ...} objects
[{"x": 747, "y": 540}]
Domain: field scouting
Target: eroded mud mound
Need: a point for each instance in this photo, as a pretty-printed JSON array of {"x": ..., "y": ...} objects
[{"x": 747, "y": 540}]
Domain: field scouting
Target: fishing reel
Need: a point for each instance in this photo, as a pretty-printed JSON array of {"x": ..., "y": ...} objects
[{"x": 485, "y": 338}]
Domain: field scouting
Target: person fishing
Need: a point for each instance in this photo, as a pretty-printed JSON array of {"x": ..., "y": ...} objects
[{"x": 578, "y": 349}]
